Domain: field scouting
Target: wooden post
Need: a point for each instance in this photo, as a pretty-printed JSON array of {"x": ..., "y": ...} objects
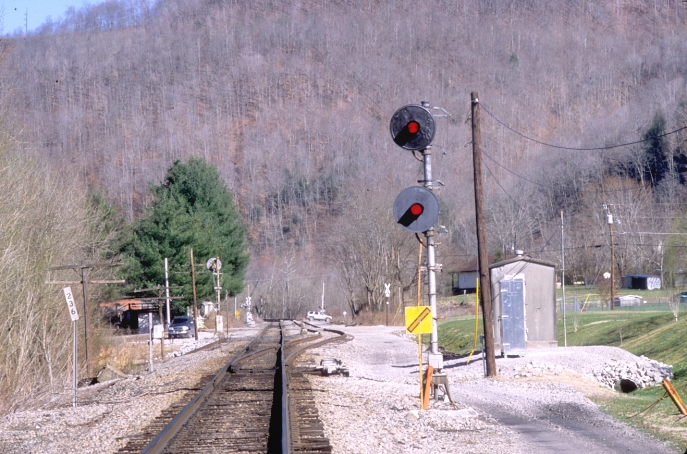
[
  {"x": 162, "y": 320},
  {"x": 485, "y": 279},
  {"x": 195, "y": 304},
  {"x": 87, "y": 320},
  {"x": 84, "y": 283},
  {"x": 427, "y": 388},
  {"x": 674, "y": 396}
]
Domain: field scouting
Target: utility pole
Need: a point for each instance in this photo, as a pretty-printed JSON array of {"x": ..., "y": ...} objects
[
  {"x": 485, "y": 279},
  {"x": 195, "y": 304},
  {"x": 84, "y": 283}
]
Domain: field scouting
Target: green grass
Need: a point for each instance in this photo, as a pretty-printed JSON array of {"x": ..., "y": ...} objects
[
  {"x": 655, "y": 335},
  {"x": 458, "y": 335}
]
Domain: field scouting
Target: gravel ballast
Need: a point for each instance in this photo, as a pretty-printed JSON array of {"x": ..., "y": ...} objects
[{"x": 531, "y": 406}]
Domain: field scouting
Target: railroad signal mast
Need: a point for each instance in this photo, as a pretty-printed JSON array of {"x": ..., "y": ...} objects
[{"x": 416, "y": 209}]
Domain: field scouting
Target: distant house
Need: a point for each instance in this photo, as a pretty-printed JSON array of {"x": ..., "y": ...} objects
[
  {"x": 465, "y": 279},
  {"x": 464, "y": 282},
  {"x": 641, "y": 281},
  {"x": 523, "y": 292},
  {"x": 131, "y": 314}
]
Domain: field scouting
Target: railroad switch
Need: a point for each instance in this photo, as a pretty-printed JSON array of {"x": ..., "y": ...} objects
[{"x": 331, "y": 366}]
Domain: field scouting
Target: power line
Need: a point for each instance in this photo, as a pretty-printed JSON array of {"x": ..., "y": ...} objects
[
  {"x": 517, "y": 175},
  {"x": 502, "y": 188},
  {"x": 560, "y": 147},
  {"x": 651, "y": 233},
  {"x": 597, "y": 191}
]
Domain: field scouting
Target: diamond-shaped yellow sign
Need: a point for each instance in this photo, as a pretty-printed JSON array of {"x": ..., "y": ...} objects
[{"x": 418, "y": 320}]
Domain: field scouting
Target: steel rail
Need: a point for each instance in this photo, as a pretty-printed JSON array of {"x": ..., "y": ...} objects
[
  {"x": 262, "y": 351},
  {"x": 286, "y": 343},
  {"x": 160, "y": 442},
  {"x": 285, "y": 422},
  {"x": 342, "y": 336}
]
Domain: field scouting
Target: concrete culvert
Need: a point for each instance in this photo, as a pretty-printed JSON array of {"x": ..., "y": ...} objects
[{"x": 626, "y": 385}]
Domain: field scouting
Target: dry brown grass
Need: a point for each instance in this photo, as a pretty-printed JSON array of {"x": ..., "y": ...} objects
[
  {"x": 369, "y": 318},
  {"x": 129, "y": 354},
  {"x": 43, "y": 222}
]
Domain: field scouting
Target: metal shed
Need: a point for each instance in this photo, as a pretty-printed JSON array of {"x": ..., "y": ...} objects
[
  {"x": 524, "y": 305},
  {"x": 641, "y": 281}
]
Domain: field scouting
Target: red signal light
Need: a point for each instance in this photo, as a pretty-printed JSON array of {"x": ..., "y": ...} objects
[
  {"x": 416, "y": 209},
  {"x": 413, "y": 127}
]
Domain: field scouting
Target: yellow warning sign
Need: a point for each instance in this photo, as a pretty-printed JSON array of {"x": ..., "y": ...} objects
[{"x": 418, "y": 320}]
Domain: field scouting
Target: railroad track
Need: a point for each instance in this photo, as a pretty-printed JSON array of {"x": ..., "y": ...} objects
[{"x": 259, "y": 402}]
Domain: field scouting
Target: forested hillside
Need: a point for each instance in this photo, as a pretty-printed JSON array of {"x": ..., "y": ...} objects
[{"x": 291, "y": 101}]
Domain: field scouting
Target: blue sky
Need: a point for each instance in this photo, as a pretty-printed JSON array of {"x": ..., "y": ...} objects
[{"x": 38, "y": 10}]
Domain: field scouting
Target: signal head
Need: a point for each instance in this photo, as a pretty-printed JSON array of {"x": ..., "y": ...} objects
[
  {"x": 412, "y": 127},
  {"x": 416, "y": 209}
]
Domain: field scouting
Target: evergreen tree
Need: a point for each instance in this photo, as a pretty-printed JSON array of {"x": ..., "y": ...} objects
[
  {"x": 657, "y": 152},
  {"x": 192, "y": 209}
]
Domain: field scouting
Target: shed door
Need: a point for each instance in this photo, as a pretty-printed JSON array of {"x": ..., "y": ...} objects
[{"x": 513, "y": 315}]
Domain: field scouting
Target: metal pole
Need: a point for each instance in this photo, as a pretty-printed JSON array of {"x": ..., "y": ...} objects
[
  {"x": 609, "y": 220},
  {"x": 219, "y": 289},
  {"x": 485, "y": 279},
  {"x": 76, "y": 372},
  {"x": 386, "y": 313},
  {"x": 195, "y": 305},
  {"x": 167, "y": 294},
  {"x": 432, "y": 292},
  {"x": 226, "y": 303},
  {"x": 565, "y": 329},
  {"x": 436, "y": 359}
]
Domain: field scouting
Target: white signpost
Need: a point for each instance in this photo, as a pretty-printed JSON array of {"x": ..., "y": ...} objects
[
  {"x": 71, "y": 305},
  {"x": 69, "y": 296},
  {"x": 387, "y": 294}
]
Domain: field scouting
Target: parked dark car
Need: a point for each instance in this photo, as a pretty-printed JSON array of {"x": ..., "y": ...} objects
[
  {"x": 683, "y": 297},
  {"x": 182, "y": 327}
]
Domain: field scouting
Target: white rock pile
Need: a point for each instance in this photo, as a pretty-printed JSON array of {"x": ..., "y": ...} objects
[
  {"x": 644, "y": 372},
  {"x": 189, "y": 347},
  {"x": 533, "y": 369}
]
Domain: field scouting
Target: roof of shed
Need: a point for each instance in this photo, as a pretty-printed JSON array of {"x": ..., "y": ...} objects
[{"x": 521, "y": 258}]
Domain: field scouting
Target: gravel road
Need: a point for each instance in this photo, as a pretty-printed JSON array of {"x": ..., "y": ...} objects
[
  {"x": 535, "y": 405},
  {"x": 532, "y": 406}
]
